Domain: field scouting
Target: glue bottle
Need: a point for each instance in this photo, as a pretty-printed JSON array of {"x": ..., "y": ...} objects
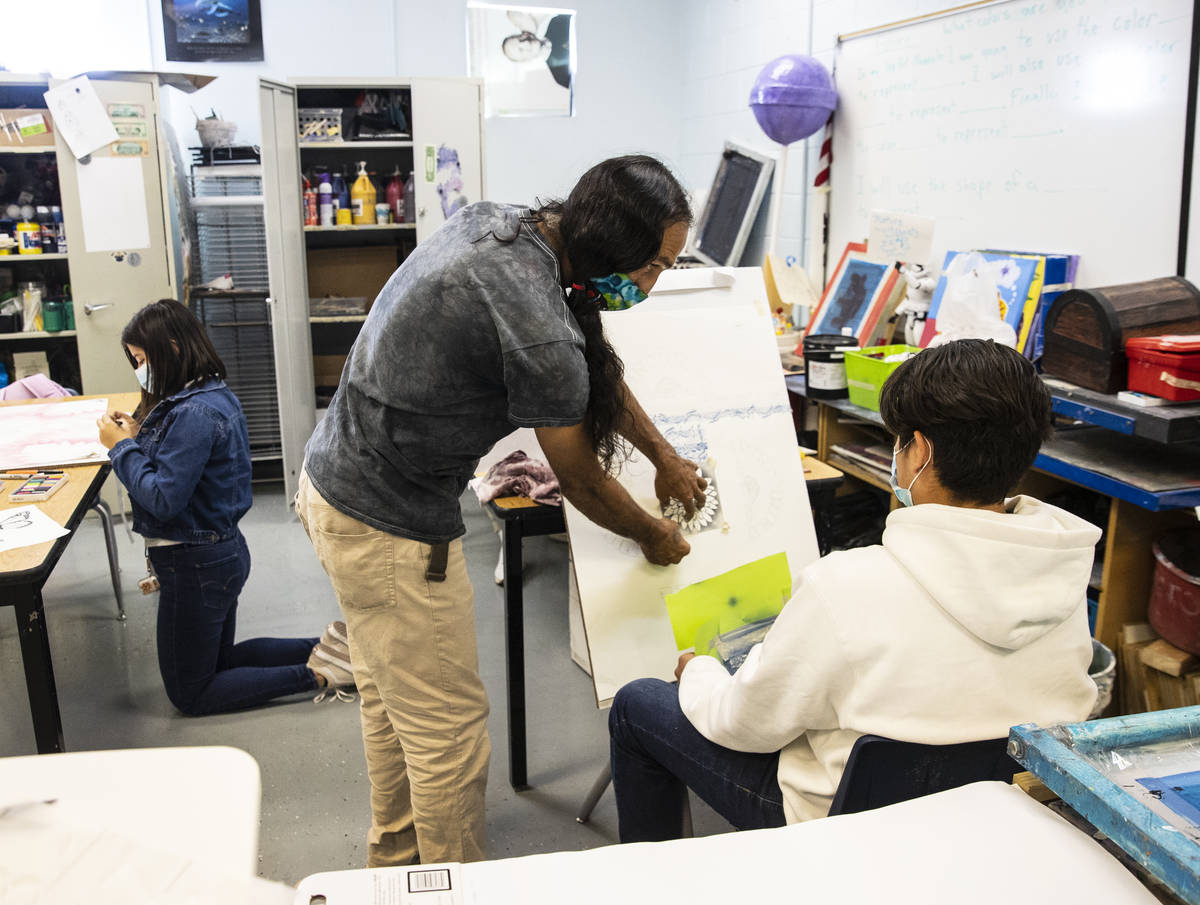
[{"x": 362, "y": 196}]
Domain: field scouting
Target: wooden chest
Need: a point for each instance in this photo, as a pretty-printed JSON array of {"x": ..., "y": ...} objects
[{"x": 1086, "y": 329}]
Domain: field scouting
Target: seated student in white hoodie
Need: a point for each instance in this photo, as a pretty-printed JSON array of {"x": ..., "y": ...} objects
[{"x": 968, "y": 619}]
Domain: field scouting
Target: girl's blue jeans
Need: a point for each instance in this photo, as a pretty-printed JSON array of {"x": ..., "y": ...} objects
[
  {"x": 657, "y": 755},
  {"x": 202, "y": 669}
]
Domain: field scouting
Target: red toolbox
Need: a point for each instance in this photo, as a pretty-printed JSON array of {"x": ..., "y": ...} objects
[{"x": 1166, "y": 366}]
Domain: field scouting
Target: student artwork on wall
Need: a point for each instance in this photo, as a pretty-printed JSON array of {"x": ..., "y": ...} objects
[
  {"x": 525, "y": 56},
  {"x": 856, "y": 296},
  {"x": 212, "y": 31},
  {"x": 705, "y": 367}
]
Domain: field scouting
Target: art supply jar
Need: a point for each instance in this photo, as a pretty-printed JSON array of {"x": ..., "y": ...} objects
[
  {"x": 31, "y": 295},
  {"x": 825, "y": 365},
  {"x": 29, "y": 238},
  {"x": 344, "y": 216},
  {"x": 68, "y": 314},
  {"x": 52, "y": 316},
  {"x": 381, "y": 213}
]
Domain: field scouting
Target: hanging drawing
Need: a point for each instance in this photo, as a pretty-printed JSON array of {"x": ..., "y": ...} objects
[
  {"x": 734, "y": 421},
  {"x": 449, "y": 181},
  {"x": 526, "y": 58}
]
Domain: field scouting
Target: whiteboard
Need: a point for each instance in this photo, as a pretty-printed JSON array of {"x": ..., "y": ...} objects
[{"x": 1052, "y": 126}]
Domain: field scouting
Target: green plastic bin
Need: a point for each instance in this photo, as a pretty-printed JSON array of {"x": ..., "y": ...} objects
[{"x": 867, "y": 370}]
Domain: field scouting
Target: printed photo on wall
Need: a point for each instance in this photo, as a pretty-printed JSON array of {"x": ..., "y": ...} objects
[
  {"x": 855, "y": 297},
  {"x": 526, "y": 58},
  {"x": 212, "y": 31}
]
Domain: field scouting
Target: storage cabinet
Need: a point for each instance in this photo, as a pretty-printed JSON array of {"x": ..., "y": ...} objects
[{"x": 432, "y": 128}]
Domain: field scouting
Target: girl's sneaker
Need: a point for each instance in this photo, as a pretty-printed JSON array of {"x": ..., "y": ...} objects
[
  {"x": 335, "y": 669},
  {"x": 335, "y": 637}
]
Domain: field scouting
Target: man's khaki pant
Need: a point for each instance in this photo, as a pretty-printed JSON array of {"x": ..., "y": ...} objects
[{"x": 424, "y": 707}]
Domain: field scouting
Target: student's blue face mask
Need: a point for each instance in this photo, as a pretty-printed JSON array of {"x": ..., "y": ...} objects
[
  {"x": 619, "y": 291},
  {"x": 904, "y": 494}
]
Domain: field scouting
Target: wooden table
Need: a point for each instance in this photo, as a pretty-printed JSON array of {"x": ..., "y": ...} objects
[{"x": 25, "y": 570}]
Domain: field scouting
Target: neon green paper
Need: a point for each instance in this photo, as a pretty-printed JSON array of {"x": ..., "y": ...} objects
[{"x": 749, "y": 593}]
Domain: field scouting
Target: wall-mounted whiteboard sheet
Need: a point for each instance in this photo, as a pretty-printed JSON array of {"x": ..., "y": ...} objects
[
  {"x": 1054, "y": 127},
  {"x": 705, "y": 367}
]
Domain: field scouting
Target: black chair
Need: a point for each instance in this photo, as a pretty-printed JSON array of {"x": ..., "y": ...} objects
[{"x": 882, "y": 771}]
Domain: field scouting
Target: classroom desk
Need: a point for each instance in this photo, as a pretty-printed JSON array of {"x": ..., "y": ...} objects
[
  {"x": 24, "y": 572},
  {"x": 1152, "y": 486},
  {"x": 523, "y": 518},
  {"x": 986, "y": 843}
]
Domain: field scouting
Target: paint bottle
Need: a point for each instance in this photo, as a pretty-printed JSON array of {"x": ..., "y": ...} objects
[
  {"x": 310, "y": 204},
  {"x": 410, "y": 200},
  {"x": 395, "y": 197},
  {"x": 341, "y": 194},
  {"x": 362, "y": 197},
  {"x": 325, "y": 200},
  {"x": 60, "y": 233}
]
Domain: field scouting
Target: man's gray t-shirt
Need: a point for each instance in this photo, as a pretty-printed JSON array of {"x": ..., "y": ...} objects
[{"x": 468, "y": 340}]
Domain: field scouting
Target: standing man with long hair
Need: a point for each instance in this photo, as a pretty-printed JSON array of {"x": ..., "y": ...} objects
[{"x": 491, "y": 324}]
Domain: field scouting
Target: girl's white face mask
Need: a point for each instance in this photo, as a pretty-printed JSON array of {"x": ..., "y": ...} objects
[{"x": 142, "y": 374}]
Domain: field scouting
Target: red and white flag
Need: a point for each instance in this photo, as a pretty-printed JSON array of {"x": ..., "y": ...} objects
[{"x": 826, "y": 159}]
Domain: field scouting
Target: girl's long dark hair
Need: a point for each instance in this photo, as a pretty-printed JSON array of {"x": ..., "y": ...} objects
[
  {"x": 612, "y": 222},
  {"x": 177, "y": 349}
]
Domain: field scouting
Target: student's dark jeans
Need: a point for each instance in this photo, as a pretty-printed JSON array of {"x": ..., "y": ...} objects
[
  {"x": 202, "y": 669},
  {"x": 657, "y": 755}
]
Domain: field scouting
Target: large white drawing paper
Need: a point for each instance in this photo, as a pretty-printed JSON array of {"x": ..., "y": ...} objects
[
  {"x": 112, "y": 199},
  {"x": 25, "y": 526},
  {"x": 51, "y": 433},
  {"x": 79, "y": 116},
  {"x": 708, "y": 375}
]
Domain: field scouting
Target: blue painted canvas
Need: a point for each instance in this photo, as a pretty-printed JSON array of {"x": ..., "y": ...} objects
[
  {"x": 852, "y": 297},
  {"x": 1180, "y": 792}
]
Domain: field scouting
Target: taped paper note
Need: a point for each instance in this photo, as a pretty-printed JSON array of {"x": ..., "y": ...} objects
[
  {"x": 79, "y": 116},
  {"x": 720, "y": 604},
  {"x": 900, "y": 237},
  {"x": 112, "y": 198}
]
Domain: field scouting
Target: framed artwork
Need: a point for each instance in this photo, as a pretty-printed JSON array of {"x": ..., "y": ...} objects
[
  {"x": 856, "y": 296},
  {"x": 212, "y": 31},
  {"x": 525, "y": 56}
]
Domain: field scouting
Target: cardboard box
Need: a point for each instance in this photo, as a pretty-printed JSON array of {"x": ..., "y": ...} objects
[
  {"x": 26, "y": 364},
  {"x": 23, "y": 128},
  {"x": 327, "y": 369},
  {"x": 350, "y": 272}
]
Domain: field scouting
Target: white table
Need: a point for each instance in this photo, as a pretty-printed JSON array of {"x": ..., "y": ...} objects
[
  {"x": 130, "y": 825},
  {"x": 987, "y": 843}
]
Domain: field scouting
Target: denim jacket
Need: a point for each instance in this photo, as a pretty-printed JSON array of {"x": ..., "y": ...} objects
[{"x": 188, "y": 469}]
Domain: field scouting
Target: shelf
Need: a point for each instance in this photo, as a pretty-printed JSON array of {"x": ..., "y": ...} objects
[
  {"x": 347, "y": 145},
  {"x": 40, "y": 334},
  {"x": 338, "y": 319},
  {"x": 867, "y": 475},
  {"x": 31, "y": 259},
  {"x": 34, "y": 150},
  {"x": 1163, "y": 424},
  {"x": 360, "y": 226}
]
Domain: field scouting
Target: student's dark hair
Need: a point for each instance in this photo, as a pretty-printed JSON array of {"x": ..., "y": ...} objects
[
  {"x": 982, "y": 406},
  {"x": 612, "y": 222},
  {"x": 177, "y": 349}
]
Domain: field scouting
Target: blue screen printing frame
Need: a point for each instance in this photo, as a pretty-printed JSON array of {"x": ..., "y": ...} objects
[{"x": 1170, "y": 791}]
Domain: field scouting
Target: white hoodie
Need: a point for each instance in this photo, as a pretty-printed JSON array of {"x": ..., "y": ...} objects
[{"x": 963, "y": 623}]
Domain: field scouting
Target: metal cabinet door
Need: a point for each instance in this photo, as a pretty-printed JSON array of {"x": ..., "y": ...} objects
[
  {"x": 109, "y": 286},
  {"x": 288, "y": 303},
  {"x": 447, "y": 116}
]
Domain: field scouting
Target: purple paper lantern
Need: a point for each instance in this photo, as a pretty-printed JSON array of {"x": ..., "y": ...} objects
[{"x": 792, "y": 98}]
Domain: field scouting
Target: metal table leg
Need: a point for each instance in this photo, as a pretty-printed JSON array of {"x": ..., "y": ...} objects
[
  {"x": 110, "y": 544},
  {"x": 514, "y": 647},
  {"x": 39, "y": 673}
]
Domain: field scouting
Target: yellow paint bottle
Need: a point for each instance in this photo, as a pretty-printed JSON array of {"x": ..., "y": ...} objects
[{"x": 362, "y": 196}]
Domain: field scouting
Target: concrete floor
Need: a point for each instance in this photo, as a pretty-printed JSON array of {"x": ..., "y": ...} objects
[{"x": 314, "y": 787}]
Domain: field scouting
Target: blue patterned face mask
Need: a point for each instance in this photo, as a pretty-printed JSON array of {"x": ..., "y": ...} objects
[{"x": 619, "y": 292}]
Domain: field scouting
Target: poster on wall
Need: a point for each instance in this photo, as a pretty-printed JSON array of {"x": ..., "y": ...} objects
[
  {"x": 212, "y": 31},
  {"x": 526, "y": 58}
]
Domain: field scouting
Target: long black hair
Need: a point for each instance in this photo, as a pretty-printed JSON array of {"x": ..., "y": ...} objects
[
  {"x": 178, "y": 350},
  {"x": 612, "y": 222}
]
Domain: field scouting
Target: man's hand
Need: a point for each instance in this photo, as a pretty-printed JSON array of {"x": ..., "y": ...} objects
[
  {"x": 664, "y": 544},
  {"x": 679, "y": 479},
  {"x": 684, "y": 660},
  {"x": 115, "y": 427}
]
